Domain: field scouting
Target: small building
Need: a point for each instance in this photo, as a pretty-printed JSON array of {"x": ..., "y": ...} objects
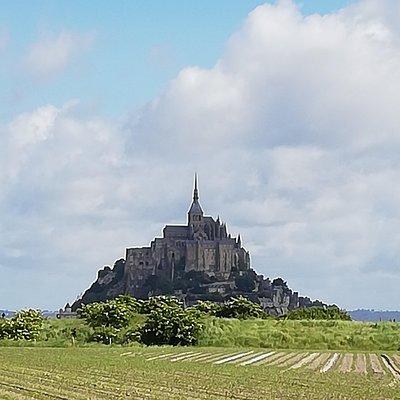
[{"x": 66, "y": 312}]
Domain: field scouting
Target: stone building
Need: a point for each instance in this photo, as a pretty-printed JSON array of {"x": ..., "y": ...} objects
[
  {"x": 196, "y": 261},
  {"x": 202, "y": 245}
]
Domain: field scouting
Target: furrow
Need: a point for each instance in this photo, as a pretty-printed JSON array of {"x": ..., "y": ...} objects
[
  {"x": 233, "y": 357},
  {"x": 361, "y": 364},
  {"x": 293, "y": 360},
  {"x": 214, "y": 357},
  {"x": 347, "y": 363},
  {"x": 54, "y": 388},
  {"x": 32, "y": 390},
  {"x": 321, "y": 359},
  {"x": 257, "y": 358},
  {"x": 331, "y": 362},
  {"x": 304, "y": 361},
  {"x": 282, "y": 359},
  {"x": 269, "y": 359},
  {"x": 245, "y": 358},
  {"x": 391, "y": 366},
  {"x": 197, "y": 357},
  {"x": 13, "y": 394},
  {"x": 376, "y": 365},
  {"x": 396, "y": 359},
  {"x": 161, "y": 356},
  {"x": 182, "y": 357}
]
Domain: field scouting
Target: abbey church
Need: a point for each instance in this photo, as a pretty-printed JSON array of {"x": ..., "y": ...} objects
[
  {"x": 202, "y": 245},
  {"x": 196, "y": 261}
]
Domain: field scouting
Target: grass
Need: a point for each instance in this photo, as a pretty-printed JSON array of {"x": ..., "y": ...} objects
[
  {"x": 306, "y": 334},
  {"x": 102, "y": 373},
  {"x": 259, "y": 333}
]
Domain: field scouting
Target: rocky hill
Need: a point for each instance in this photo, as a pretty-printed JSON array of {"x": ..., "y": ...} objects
[{"x": 274, "y": 295}]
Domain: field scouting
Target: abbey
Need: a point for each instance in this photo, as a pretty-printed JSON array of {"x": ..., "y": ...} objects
[
  {"x": 196, "y": 261},
  {"x": 202, "y": 245}
]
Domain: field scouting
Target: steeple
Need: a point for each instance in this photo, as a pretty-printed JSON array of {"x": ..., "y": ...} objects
[
  {"x": 195, "y": 208},
  {"x": 195, "y": 191}
]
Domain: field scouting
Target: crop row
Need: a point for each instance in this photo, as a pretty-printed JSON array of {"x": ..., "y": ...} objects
[{"x": 317, "y": 361}]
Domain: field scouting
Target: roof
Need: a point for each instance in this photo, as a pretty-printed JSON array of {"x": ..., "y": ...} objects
[
  {"x": 195, "y": 208},
  {"x": 175, "y": 230}
]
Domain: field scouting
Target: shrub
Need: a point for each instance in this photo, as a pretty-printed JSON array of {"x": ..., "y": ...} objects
[
  {"x": 26, "y": 325},
  {"x": 208, "y": 307},
  {"x": 169, "y": 323},
  {"x": 240, "y": 307},
  {"x": 5, "y": 329},
  {"x": 104, "y": 334},
  {"x": 134, "y": 305},
  {"x": 112, "y": 313},
  {"x": 159, "y": 302}
]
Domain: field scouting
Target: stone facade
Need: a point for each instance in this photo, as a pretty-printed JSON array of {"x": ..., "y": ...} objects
[{"x": 202, "y": 245}]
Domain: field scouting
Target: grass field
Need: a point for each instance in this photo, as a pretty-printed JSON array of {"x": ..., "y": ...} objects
[
  {"x": 258, "y": 333},
  {"x": 302, "y": 334},
  {"x": 194, "y": 373}
]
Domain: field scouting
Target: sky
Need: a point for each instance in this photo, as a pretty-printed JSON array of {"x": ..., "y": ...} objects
[{"x": 287, "y": 110}]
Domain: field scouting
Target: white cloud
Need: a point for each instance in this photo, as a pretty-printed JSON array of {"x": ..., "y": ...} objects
[
  {"x": 294, "y": 133},
  {"x": 52, "y": 54}
]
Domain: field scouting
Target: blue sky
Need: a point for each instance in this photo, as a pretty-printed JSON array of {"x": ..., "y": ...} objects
[
  {"x": 287, "y": 110},
  {"x": 138, "y": 47}
]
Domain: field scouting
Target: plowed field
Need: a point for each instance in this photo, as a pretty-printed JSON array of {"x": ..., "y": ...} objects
[{"x": 195, "y": 373}]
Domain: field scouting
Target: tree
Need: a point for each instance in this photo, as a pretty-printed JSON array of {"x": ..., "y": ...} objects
[
  {"x": 112, "y": 313},
  {"x": 245, "y": 283},
  {"x": 240, "y": 307},
  {"x": 170, "y": 324}
]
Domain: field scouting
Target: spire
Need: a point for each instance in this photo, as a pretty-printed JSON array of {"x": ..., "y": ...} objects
[
  {"x": 195, "y": 191},
  {"x": 195, "y": 208}
]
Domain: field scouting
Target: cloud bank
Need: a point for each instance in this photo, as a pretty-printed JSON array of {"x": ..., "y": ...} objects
[{"x": 294, "y": 133}]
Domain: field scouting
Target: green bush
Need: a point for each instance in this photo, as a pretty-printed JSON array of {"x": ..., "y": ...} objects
[
  {"x": 105, "y": 334},
  {"x": 5, "y": 328},
  {"x": 159, "y": 302},
  {"x": 168, "y": 323},
  {"x": 319, "y": 313},
  {"x": 134, "y": 305},
  {"x": 208, "y": 307},
  {"x": 241, "y": 308},
  {"x": 25, "y": 325},
  {"x": 112, "y": 313}
]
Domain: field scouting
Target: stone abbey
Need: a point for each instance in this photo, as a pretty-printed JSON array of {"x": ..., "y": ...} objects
[
  {"x": 202, "y": 245},
  {"x": 196, "y": 261}
]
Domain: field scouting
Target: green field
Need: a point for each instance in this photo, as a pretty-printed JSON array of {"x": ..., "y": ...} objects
[
  {"x": 277, "y": 334},
  {"x": 302, "y": 334},
  {"x": 191, "y": 373}
]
